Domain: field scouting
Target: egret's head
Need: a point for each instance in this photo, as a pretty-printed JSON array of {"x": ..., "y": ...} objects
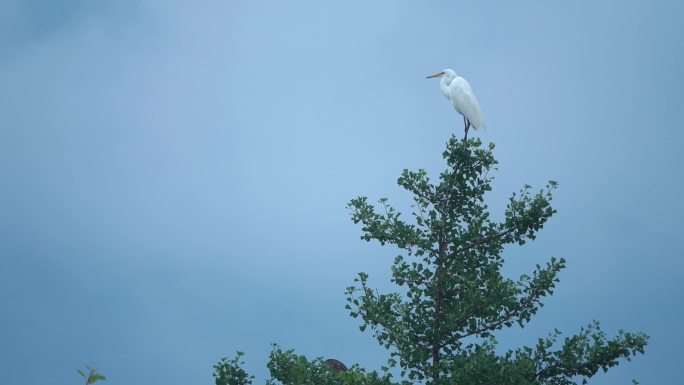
[{"x": 447, "y": 73}]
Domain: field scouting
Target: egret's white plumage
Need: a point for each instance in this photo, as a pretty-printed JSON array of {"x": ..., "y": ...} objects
[{"x": 461, "y": 96}]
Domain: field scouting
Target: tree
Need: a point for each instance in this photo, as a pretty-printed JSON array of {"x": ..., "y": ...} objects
[{"x": 440, "y": 327}]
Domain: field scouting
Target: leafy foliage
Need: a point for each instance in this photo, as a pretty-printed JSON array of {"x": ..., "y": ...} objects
[
  {"x": 454, "y": 287},
  {"x": 288, "y": 368},
  {"x": 440, "y": 328},
  {"x": 229, "y": 372}
]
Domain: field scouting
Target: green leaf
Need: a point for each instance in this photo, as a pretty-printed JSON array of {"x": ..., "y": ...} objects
[{"x": 95, "y": 377}]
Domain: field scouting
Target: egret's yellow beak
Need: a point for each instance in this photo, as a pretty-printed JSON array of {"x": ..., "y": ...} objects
[{"x": 438, "y": 74}]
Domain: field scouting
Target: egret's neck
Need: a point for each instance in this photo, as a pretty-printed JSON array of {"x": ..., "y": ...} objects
[{"x": 444, "y": 83}]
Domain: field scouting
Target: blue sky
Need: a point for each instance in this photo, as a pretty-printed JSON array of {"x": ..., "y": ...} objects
[{"x": 174, "y": 175}]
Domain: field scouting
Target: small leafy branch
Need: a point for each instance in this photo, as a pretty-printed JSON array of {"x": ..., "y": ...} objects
[
  {"x": 229, "y": 372},
  {"x": 92, "y": 377}
]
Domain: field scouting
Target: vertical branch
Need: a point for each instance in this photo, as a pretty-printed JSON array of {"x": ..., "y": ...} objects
[{"x": 439, "y": 274}]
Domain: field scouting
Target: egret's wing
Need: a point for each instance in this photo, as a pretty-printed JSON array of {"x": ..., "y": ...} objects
[{"x": 464, "y": 101}]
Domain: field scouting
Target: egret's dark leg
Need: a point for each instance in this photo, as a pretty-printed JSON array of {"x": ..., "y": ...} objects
[{"x": 467, "y": 126}]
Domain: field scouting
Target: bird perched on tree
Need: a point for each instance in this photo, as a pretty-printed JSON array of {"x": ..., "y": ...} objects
[
  {"x": 335, "y": 365},
  {"x": 461, "y": 96}
]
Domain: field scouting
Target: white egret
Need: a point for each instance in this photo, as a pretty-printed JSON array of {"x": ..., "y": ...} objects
[{"x": 458, "y": 91}]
